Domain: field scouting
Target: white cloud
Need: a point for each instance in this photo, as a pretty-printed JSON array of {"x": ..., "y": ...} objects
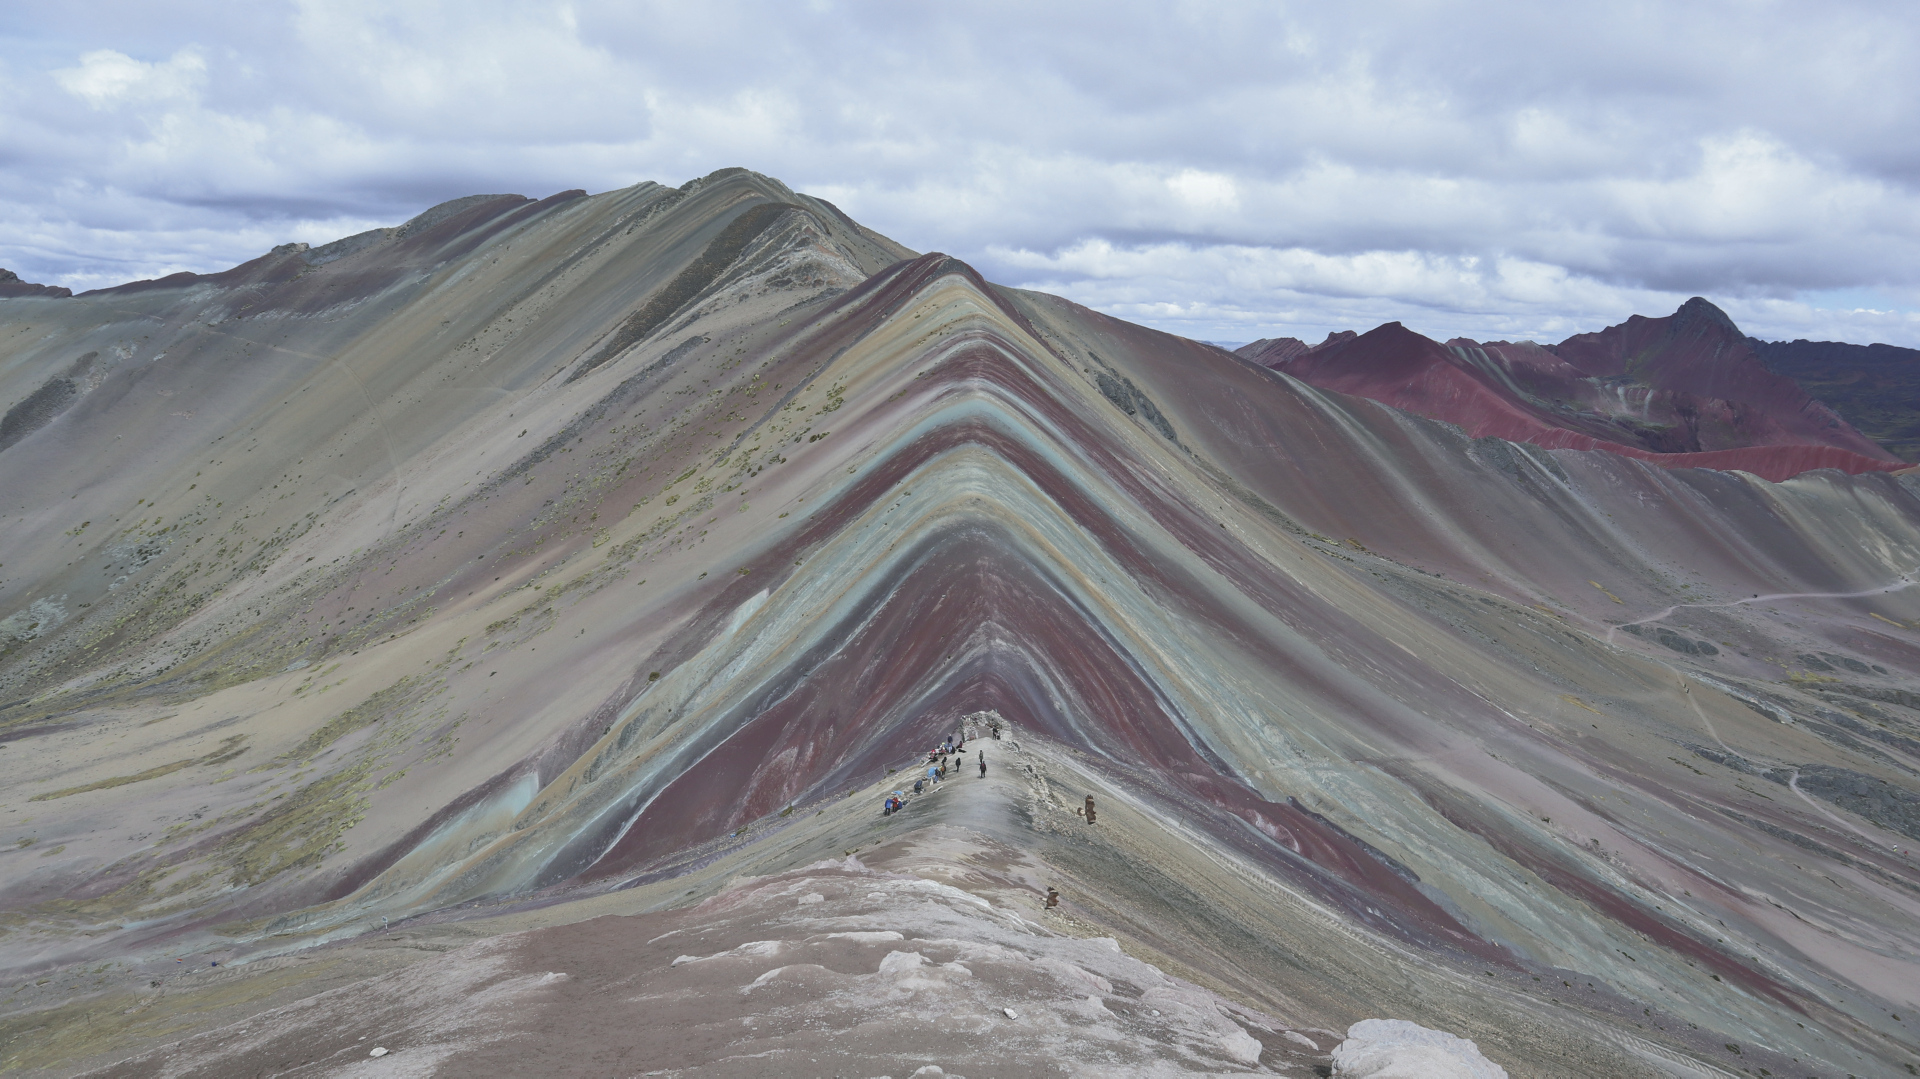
[
  {"x": 1485, "y": 168},
  {"x": 106, "y": 78},
  {"x": 1205, "y": 191}
]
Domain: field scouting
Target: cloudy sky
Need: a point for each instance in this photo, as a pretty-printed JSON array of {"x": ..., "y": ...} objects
[{"x": 1227, "y": 171}]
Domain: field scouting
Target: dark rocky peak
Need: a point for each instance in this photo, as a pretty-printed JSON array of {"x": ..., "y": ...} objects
[
  {"x": 1371, "y": 363},
  {"x": 734, "y": 179},
  {"x": 433, "y": 215},
  {"x": 1277, "y": 351},
  {"x": 338, "y": 249},
  {"x": 1272, "y": 351},
  {"x": 1699, "y": 310},
  {"x": 11, "y": 285},
  {"x": 1386, "y": 339},
  {"x": 1696, "y": 350}
]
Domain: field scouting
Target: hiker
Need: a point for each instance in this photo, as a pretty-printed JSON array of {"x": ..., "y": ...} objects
[
  {"x": 919, "y": 786},
  {"x": 1089, "y": 809},
  {"x": 995, "y": 728},
  {"x": 1053, "y": 898},
  {"x": 886, "y": 808},
  {"x": 983, "y": 764},
  {"x": 943, "y": 770}
]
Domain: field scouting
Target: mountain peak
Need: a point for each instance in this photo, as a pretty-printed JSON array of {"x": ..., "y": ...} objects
[
  {"x": 1700, "y": 312},
  {"x": 11, "y": 285}
]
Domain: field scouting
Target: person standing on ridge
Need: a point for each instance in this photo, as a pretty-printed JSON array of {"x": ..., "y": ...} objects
[
  {"x": 983, "y": 764},
  {"x": 1089, "y": 809}
]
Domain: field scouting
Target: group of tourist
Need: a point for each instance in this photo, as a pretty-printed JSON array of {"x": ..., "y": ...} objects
[
  {"x": 949, "y": 755},
  {"x": 942, "y": 760}
]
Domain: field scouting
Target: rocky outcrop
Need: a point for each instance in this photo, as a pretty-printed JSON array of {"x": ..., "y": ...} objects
[
  {"x": 11, "y": 285},
  {"x": 1397, "y": 1049}
]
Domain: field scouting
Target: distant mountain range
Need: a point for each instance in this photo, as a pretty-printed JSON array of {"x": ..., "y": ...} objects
[
  {"x": 1874, "y": 387},
  {"x": 1687, "y": 390}
]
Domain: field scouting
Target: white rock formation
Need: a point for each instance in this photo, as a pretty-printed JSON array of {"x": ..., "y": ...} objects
[{"x": 1397, "y": 1049}]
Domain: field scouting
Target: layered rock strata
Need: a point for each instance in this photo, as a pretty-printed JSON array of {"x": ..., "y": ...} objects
[{"x": 546, "y": 560}]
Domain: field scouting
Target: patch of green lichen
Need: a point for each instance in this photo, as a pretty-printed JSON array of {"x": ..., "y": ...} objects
[
  {"x": 300, "y": 831},
  {"x": 375, "y": 708},
  {"x": 249, "y": 654},
  {"x": 229, "y": 749},
  {"x": 308, "y": 824},
  {"x": 119, "y": 1020}
]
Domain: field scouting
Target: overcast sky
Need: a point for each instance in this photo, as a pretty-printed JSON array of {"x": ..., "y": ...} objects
[{"x": 1226, "y": 171}]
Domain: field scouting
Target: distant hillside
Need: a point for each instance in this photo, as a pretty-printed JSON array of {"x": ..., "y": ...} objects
[
  {"x": 1683, "y": 391},
  {"x": 1876, "y": 388}
]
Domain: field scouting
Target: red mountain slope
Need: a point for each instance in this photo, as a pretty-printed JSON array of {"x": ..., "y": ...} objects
[{"x": 1685, "y": 391}]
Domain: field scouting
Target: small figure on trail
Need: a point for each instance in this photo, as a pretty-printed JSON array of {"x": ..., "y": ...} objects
[
  {"x": 943, "y": 771},
  {"x": 889, "y": 806},
  {"x": 1053, "y": 898},
  {"x": 983, "y": 763},
  {"x": 1089, "y": 809},
  {"x": 919, "y": 786},
  {"x": 932, "y": 774}
]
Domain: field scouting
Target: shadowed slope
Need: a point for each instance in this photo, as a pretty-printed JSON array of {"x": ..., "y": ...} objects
[{"x": 1876, "y": 388}]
